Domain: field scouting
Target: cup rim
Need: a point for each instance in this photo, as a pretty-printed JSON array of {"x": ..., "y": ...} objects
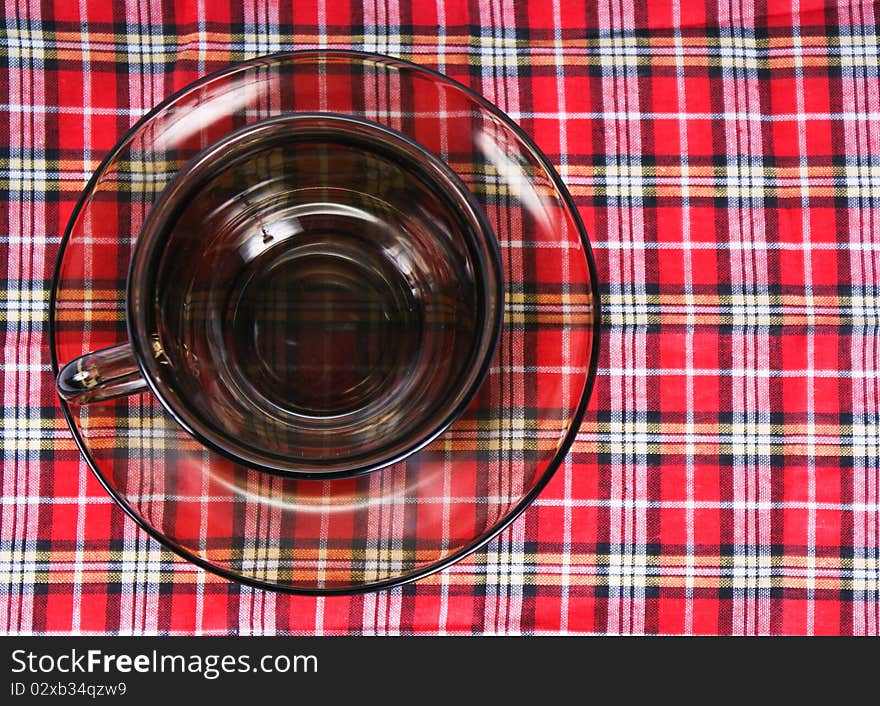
[{"x": 237, "y": 143}]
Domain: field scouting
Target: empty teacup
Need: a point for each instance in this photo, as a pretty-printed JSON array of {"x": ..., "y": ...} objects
[{"x": 314, "y": 294}]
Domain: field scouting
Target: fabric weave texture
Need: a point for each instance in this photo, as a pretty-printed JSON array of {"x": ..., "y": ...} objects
[{"x": 725, "y": 158}]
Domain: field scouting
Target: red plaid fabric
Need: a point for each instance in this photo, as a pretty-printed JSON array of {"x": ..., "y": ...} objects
[{"x": 725, "y": 157}]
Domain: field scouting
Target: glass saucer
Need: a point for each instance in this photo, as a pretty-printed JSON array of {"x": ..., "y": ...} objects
[{"x": 400, "y": 522}]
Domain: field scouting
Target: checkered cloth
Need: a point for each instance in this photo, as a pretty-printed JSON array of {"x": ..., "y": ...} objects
[{"x": 725, "y": 157}]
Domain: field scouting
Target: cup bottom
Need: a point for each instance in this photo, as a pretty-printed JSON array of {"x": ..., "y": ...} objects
[{"x": 323, "y": 325}]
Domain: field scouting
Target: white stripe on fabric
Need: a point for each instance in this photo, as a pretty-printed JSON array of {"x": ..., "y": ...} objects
[
  {"x": 873, "y": 103},
  {"x": 11, "y": 525},
  {"x": 687, "y": 274},
  {"x": 752, "y": 477},
  {"x": 617, "y": 402},
  {"x": 38, "y": 269},
  {"x": 857, "y": 85},
  {"x": 811, "y": 319},
  {"x": 627, "y": 346}
]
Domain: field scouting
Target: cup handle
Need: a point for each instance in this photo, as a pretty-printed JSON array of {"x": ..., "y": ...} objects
[{"x": 103, "y": 375}]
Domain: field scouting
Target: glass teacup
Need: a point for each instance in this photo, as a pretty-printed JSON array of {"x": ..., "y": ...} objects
[{"x": 314, "y": 294}]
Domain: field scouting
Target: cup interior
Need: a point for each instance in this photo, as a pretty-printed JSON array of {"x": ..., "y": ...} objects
[{"x": 315, "y": 294}]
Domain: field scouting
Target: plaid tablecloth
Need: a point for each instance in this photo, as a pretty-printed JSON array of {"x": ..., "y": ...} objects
[{"x": 725, "y": 157}]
